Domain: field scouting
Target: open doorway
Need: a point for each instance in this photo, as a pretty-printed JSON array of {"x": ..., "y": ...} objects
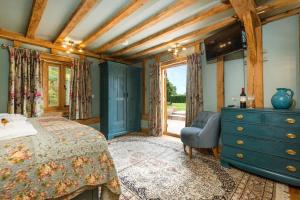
[{"x": 175, "y": 98}]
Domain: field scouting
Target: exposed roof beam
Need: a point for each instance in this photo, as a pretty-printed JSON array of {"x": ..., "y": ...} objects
[
  {"x": 246, "y": 11},
  {"x": 194, "y": 34},
  {"x": 170, "y": 10},
  {"x": 125, "y": 12},
  {"x": 184, "y": 23},
  {"x": 38, "y": 8},
  {"x": 84, "y": 7},
  {"x": 47, "y": 44},
  {"x": 275, "y": 4},
  {"x": 281, "y": 15},
  {"x": 242, "y": 7},
  {"x": 165, "y": 53}
]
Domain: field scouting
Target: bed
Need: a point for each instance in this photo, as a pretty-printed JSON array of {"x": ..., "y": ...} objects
[{"x": 64, "y": 160}]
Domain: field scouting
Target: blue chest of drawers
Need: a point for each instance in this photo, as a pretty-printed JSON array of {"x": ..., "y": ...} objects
[{"x": 265, "y": 142}]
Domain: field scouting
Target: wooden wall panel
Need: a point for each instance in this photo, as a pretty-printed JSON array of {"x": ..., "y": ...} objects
[{"x": 220, "y": 83}]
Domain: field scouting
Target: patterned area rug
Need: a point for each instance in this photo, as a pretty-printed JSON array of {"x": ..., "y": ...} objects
[{"x": 157, "y": 168}]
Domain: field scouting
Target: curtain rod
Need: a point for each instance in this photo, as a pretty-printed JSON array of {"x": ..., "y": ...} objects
[{"x": 5, "y": 46}]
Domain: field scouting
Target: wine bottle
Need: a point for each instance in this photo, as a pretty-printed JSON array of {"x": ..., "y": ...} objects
[{"x": 243, "y": 99}]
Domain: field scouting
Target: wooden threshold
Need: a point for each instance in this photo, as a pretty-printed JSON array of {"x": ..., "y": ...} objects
[{"x": 172, "y": 134}]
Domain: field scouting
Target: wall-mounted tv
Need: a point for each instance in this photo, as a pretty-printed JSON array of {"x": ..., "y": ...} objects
[{"x": 229, "y": 40}]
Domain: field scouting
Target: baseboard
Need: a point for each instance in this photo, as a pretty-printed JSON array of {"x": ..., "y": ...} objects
[{"x": 145, "y": 130}]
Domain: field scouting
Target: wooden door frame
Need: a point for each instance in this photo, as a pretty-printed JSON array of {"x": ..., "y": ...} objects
[{"x": 164, "y": 66}]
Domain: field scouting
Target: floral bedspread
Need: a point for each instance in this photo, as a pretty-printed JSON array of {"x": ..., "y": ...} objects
[{"x": 63, "y": 158}]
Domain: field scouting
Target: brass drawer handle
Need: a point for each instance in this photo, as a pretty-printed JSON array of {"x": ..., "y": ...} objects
[
  {"x": 240, "y": 155},
  {"x": 291, "y": 168},
  {"x": 240, "y": 129},
  {"x": 240, "y": 142},
  {"x": 290, "y": 121},
  {"x": 291, "y": 152},
  {"x": 240, "y": 116},
  {"x": 291, "y": 136}
]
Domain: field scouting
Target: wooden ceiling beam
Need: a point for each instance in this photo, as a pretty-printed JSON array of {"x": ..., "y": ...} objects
[
  {"x": 275, "y": 4},
  {"x": 170, "y": 10},
  {"x": 246, "y": 10},
  {"x": 125, "y": 12},
  {"x": 281, "y": 15},
  {"x": 242, "y": 7},
  {"x": 165, "y": 53},
  {"x": 201, "y": 31},
  {"x": 47, "y": 44},
  {"x": 38, "y": 8},
  {"x": 182, "y": 24},
  {"x": 83, "y": 9}
]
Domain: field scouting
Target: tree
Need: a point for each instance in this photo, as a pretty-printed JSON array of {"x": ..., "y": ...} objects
[{"x": 171, "y": 90}]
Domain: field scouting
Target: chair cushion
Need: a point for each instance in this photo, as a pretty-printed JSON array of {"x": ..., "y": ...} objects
[
  {"x": 189, "y": 135},
  {"x": 202, "y": 119}
]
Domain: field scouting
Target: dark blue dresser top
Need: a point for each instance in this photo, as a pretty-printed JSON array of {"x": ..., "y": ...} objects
[{"x": 262, "y": 110}]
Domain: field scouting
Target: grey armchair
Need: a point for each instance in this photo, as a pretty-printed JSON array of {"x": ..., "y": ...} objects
[{"x": 204, "y": 132}]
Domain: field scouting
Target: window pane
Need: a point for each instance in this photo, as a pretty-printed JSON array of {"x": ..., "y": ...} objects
[
  {"x": 53, "y": 85},
  {"x": 67, "y": 85}
]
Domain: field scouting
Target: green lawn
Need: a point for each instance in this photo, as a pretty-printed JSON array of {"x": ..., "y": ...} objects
[{"x": 177, "y": 106}]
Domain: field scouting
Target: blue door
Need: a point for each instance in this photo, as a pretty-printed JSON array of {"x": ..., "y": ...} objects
[
  {"x": 133, "y": 98},
  {"x": 117, "y": 99}
]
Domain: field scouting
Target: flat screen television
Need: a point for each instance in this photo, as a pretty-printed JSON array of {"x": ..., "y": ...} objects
[{"x": 229, "y": 40}]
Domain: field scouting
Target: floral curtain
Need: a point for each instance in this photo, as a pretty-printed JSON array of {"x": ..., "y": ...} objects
[
  {"x": 194, "y": 88},
  {"x": 155, "y": 107},
  {"x": 80, "y": 90},
  {"x": 25, "y": 82}
]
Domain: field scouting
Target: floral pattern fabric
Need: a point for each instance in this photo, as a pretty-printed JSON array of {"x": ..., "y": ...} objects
[
  {"x": 80, "y": 90},
  {"x": 194, "y": 90},
  {"x": 155, "y": 107},
  {"x": 62, "y": 158},
  {"x": 25, "y": 83}
]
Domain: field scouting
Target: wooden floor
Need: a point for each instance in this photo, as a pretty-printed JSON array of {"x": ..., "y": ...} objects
[{"x": 295, "y": 193}]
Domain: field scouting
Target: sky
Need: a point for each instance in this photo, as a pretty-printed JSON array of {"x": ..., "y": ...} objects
[{"x": 177, "y": 76}]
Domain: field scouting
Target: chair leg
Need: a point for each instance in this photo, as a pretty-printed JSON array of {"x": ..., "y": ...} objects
[
  {"x": 216, "y": 152},
  {"x": 190, "y": 152},
  {"x": 184, "y": 146}
]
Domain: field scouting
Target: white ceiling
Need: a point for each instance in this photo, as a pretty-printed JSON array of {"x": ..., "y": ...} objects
[{"x": 15, "y": 15}]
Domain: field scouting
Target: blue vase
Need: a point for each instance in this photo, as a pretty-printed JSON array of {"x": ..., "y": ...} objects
[{"x": 283, "y": 98}]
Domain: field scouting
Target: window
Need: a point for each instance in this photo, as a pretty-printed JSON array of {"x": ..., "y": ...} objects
[{"x": 56, "y": 84}]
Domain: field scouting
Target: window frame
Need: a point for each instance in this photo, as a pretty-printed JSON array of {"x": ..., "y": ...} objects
[{"x": 61, "y": 86}]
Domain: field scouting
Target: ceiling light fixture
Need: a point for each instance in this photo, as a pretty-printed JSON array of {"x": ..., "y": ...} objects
[
  {"x": 71, "y": 45},
  {"x": 176, "y": 49},
  {"x": 125, "y": 43}
]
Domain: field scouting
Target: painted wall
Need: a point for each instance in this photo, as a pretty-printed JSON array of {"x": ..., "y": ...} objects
[
  {"x": 209, "y": 86},
  {"x": 4, "y": 71},
  {"x": 233, "y": 80},
  {"x": 281, "y": 65}
]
